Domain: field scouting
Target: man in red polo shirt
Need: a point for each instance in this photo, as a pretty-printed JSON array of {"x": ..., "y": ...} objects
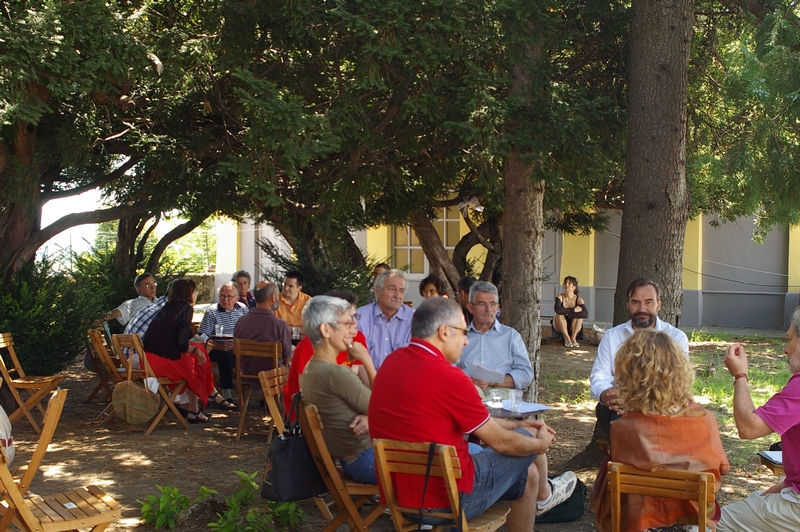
[{"x": 419, "y": 395}]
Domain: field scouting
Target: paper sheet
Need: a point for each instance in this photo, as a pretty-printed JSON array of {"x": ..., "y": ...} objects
[
  {"x": 773, "y": 456},
  {"x": 483, "y": 374}
]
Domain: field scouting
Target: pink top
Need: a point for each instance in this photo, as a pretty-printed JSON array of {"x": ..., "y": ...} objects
[{"x": 780, "y": 413}]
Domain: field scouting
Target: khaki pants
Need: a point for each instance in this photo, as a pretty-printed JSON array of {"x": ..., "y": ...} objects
[{"x": 755, "y": 513}]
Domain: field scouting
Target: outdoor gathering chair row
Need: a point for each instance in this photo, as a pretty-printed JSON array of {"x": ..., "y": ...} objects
[
  {"x": 69, "y": 510},
  {"x": 34, "y": 388}
]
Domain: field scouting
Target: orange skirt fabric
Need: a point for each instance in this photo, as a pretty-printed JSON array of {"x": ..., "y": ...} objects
[{"x": 199, "y": 378}]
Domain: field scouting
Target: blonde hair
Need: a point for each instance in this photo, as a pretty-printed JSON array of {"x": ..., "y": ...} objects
[{"x": 653, "y": 374}]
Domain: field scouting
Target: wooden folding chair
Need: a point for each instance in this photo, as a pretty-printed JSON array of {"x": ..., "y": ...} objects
[
  {"x": 246, "y": 377},
  {"x": 675, "y": 484},
  {"x": 272, "y": 383},
  {"x": 104, "y": 383},
  {"x": 133, "y": 343},
  {"x": 23, "y": 475},
  {"x": 37, "y": 388},
  {"x": 348, "y": 495},
  {"x": 116, "y": 369},
  {"x": 87, "y": 507},
  {"x": 392, "y": 456}
]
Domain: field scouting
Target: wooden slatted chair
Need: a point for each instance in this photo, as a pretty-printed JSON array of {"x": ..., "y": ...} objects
[
  {"x": 675, "y": 484},
  {"x": 133, "y": 343},
  {"x": 87, "y": 507},
  {"x": 392, "y": 456},
  {"x": 245, "y": 351},
  {"x": 348, "y": 495},
  {"x": 104, "y": 382},
  {"x": 116, "y": 369},
  {"x": 37, "y": 388},
  {"x": 23, "y": 475},
  {"x": 272, "y": 383}
]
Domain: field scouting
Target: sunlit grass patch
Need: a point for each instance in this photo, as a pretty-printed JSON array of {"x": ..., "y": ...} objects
[{"x": 571, "y": 388}]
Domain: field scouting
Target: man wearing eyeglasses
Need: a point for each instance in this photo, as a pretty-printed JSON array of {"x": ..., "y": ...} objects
[
  {"x": 225, "y": 313},
  {"x": 419, "y": 396},
  {"x": 493, "y": 346},
  {"x": 145, "y": 286}
]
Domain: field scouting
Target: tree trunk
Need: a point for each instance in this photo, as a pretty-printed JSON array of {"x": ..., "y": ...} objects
[
  {"x": 434, "y": 250},
  {"x": 522, "y": 259},
  {"x": 656, "y": 198},
  {"x": 173, "y": 235}
]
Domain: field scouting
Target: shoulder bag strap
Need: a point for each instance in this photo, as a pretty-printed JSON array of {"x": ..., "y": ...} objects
[{"x": 431, "y": 450}]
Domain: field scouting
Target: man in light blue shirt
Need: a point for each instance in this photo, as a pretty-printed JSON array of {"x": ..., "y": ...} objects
[
  {"x": 386, "y": 323},
  {"x": 493, "y": 346}
]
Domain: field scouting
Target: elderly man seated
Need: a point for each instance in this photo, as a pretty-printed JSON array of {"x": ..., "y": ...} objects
[
  {"x": 225, "y": 313},
  {"x": 493, "y": 346},
  {"x": 262, "y": 325},
  {"x": 145, "y": 286}
]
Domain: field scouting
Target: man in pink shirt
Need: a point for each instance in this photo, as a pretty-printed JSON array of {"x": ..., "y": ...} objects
[{"x": 777, "y": 508}]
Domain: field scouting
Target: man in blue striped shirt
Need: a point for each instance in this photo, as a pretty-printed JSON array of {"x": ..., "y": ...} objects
[{"x": 225, "y": 313}]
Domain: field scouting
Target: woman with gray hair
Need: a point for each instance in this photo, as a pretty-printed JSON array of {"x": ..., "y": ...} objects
[{"x": 342, "y": 399}]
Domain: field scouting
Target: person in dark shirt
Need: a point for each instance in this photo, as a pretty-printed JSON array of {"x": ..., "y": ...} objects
[{"x": 170, "y": 353}]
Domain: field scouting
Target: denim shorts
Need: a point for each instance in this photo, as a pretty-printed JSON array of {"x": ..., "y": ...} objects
[
  {"x": 361, "y": 468},
  {"x": 497, "y": 478}
]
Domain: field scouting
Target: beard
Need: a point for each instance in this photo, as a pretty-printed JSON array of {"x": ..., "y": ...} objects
[{"x": 643, "y": 320}]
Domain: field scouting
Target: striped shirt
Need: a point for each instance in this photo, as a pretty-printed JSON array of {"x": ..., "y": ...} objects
[
  {"x": 218, "y": 315},
  {"x": 142, "y": 319}
]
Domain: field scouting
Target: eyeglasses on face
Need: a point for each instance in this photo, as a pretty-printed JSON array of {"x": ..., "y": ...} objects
[
  {"x": 352, "y": 323},
  {"x": 150, "y": 285},
  {"x": 227, "y": 296},
  {"x": 486, "y": 306},
  {"x": 464, "y": 330}
]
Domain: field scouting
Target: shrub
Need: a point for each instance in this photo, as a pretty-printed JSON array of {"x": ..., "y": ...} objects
[{"x": 48, "y": 314}]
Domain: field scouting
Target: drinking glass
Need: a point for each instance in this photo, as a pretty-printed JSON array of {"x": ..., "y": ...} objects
[
  {"x": 515, "y": 400},
  {"x": 496, "y": 399},
  {"x": 219, "y": 329}
]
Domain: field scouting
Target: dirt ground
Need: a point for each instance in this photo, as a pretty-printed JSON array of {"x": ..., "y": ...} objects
[{"x": 128, "y": 465}]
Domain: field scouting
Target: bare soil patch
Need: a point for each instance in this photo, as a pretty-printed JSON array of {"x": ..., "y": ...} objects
[{"x": 128, "y": 465}]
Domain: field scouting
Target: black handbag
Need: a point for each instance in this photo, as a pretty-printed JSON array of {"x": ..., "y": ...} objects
[{"x": 291, "y": 474}]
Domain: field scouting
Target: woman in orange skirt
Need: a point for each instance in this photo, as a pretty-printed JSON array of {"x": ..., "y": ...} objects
[{"x": 172, "y": 356}]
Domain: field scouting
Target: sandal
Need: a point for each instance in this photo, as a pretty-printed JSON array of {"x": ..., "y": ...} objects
[
  {"x": 217, "y": 401},
  {"x": 197, "y": 419},
  {"x": 185, "y": 413}
]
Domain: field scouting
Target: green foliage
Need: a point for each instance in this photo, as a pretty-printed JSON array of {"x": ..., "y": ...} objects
[
  {"x": 286, "y": 513},
  {"x": 319, "y": 276},
  {"x": 48, "y": 314},
  {"x": 164, "y": 511},
  {"x": 241, "y": 513}
]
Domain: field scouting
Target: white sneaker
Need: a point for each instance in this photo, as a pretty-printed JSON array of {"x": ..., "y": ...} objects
[{"x": 561, "y": 487}]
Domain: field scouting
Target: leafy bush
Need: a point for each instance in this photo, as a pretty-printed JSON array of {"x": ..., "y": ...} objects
[
  {"x": 48, "y": 314},
  {"x": 165, "y": 510},
  {"x": 242, "y": 511}
]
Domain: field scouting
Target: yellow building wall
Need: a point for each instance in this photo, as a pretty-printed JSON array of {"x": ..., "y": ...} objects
[
  {"x": 794, "y": 259},
  {"x": 379, "y": 243},
  {"x": 693, "y": 255},
  {"x": 227, "y": 245},
  {"x": 577, "y": 258}
]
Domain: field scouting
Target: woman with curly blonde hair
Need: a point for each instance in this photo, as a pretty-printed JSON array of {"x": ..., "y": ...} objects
[{"x": 661, "y": 428}]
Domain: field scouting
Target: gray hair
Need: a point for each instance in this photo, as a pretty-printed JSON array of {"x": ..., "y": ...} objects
[
  {"x": 241, "y": 273},
  {"x": 432, "y": 314},
  {"x": 141, "y": 278},
  {"x": 796, "y": 322},
  {"x": 319, "y": 310},
  {"x": 231, "y": 285},
  {"x": 482, "y": 286},
  {"x": 265, "y": 292},
  {"x": 381, "y": 280}
]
